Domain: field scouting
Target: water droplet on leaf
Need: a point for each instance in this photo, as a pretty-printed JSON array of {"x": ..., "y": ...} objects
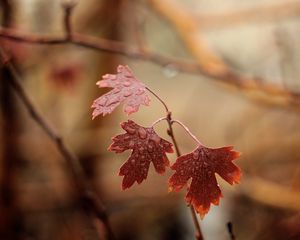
[{"x": 142, "y": 133}]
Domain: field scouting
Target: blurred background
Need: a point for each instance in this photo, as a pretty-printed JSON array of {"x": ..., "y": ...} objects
[{"x": 244, "y": 92}]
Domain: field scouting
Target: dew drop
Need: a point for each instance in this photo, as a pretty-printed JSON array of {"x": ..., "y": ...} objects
[
  {"x": 127, "y": 94},
  {"x": 142, "y": 133},
  {"x": 112, "y": 101},
  {"x": 102, "y": 101},
  {"x": 155, "y": 139},
  {"x": 117, "y": 90},
  {"x": 131, "y": 144},
  {"x": 140, "y": 91},
  {"x": 141, "y": 149},
  {"x": 126, "y": 83},
  {"x": 195, "y": 155},
  {"x": 170, "y": 71},
  {"x": 150, "y": 148},
  {"x": 130, "y": 130}
]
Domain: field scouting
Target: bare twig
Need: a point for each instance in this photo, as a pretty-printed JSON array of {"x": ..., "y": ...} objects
[
  {"x": 230, "y": 230},
  {"x": 159, "y": 99},
  {"x": 287, "y": 97},
  {"x": 89, "y": 200},
  {"x": 264, "y": 13},
  {"x": 68, "y": 7},
  {"x": 170, "y": 131},
  {"x": 188, "y": 131},
  {"x": 198, "y": 234},
  {"x": 213, "y": 66},
  {"x": 158, "y": 121}
]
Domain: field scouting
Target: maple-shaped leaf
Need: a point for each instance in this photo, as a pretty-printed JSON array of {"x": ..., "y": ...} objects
[
  {"x": 127, "y": 89},
  {"x": 146, "y": 147},
  {"x": 201, "y": 165}
]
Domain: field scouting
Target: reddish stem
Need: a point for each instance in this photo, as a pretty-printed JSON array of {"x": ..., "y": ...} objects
[
  {"x": 198, "y": 234},
  {"x": 188, "y": 131}
]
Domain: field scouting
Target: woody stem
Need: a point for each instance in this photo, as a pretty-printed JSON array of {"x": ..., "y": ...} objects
[{"x": 170, "y": 131}]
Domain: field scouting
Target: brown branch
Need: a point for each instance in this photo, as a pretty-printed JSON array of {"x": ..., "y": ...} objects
[
  {"x": 68, "y": 7},
  {"x": 285, "y": 97},
  {"x": 170, "y": 131},
  {"x": 263, "y": 13},
  {"x": 88, "y": 199},
  {"x": 270, "y": 193},
  {"x": 210, "y": 64},
  {"x": 198, "y": 234},
  {"x": 188, "y": 29},
  {"x": 230, "y": 231}
]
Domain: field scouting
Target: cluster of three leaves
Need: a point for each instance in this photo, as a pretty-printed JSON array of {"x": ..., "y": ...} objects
[{"x": 200, "y": 165}]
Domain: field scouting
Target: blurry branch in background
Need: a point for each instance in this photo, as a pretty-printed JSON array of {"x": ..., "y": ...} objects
[
  {"x": 230, "y": 230},
  {"x": 270, "y": 193},
  {"x": 208, "y": 64},
  {"x": 90, "y": 202},
  {"x": 139, "y": 26},
  {"x": 68, "y": 6},
  {"x": 214, "y": 67},
  {"x": 262, "y": 13}
]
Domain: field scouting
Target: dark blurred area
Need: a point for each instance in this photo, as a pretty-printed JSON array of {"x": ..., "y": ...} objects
[{"x": 257, "y": 39}]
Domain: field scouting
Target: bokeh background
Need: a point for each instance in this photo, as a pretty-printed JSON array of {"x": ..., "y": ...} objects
[{"x": 256, "y": 110}]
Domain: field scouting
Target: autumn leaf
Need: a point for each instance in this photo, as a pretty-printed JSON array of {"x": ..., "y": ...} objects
[
  {"x": 127, "y": 89},
  {"x": 201, "y": 165},
  {"x": 146, "y": 147}
]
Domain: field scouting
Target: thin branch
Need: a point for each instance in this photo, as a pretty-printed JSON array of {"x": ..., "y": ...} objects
[
  {"x": 230, "y": 231},
  {"x": 198, "y": 234},
  {"x": 263, "y": 13},
  {"x": 170, "y": 131},
  {"x": 212, "y": 65},
  {"x": 158, "y": 120},
  {"x": 68, "y": 7},
  {"x": 188, "y": 131},
  {"x": 89, "y": 200},
  {"x": 287, "y": 97},
  {"x": 159, "y": 99}
]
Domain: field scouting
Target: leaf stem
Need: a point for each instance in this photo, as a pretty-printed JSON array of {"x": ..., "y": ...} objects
[
  {"x": 188, "y": 131},
  {"x": 159, "y": 99},
  {"x": 158, "y": 120},
  {"x": 170, "y": 131}
]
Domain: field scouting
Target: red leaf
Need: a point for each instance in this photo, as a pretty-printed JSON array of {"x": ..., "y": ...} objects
[
  {"x": 146, "y": 147},
  {"x": 201, "y": 165},
  {"x": 126, "y": 89}
]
